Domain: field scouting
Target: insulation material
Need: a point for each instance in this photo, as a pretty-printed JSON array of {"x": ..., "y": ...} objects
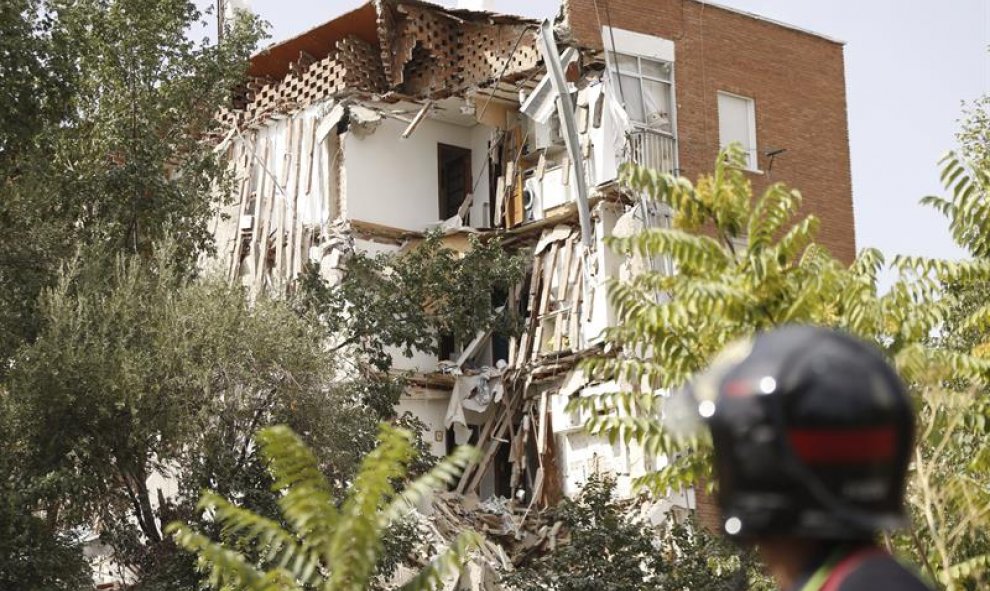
[{"x": 473, "y": 393}]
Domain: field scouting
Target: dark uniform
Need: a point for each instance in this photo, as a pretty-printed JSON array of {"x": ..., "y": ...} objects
[
  {"x": 864, "y": 568},
  {"x": 812, "y": 431}
]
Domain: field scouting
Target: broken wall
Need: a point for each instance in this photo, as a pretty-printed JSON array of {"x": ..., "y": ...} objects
[
  {"x": 354, "y": 64},
  {"x": 427, "y": 52},
  {"x": 285, "y": 198}
]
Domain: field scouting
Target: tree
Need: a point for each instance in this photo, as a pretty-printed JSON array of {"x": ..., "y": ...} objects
[
  {"x": 410, "y": 301},
  {"x": 327, "y": 547},
  {"x": 100, "y": 102},
  {"x": 951, "y": 463},
  {"x": 103, "y": 100},
  {"x": 147, "y": 372},
  {"x": 744, "y": 265},
  {"x": 33, "y": 555},
  {"x": 607, "y": 546}
]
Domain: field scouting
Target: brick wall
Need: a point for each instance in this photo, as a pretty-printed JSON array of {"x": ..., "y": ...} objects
[
  {"x": 708, "y": 512},
  {"x": 796, "y": 79}
]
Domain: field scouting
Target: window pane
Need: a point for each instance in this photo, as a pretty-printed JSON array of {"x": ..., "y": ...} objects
[
  {"x": 655, "y": 69},
  {"x": 735, "y": 121},
  {"x": 633, "y": 97},
  {"x": 656, "y": 108},
  {"x": 627, "y": 63}
]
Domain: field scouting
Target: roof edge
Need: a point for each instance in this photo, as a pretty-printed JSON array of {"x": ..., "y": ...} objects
[{"x": 771, "y": 21}]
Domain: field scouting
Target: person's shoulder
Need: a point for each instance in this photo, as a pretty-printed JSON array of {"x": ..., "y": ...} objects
[{"x": 881, "y": 572}]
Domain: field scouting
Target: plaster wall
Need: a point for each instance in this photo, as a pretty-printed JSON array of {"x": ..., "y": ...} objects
[{"x": 394, "y": 181}]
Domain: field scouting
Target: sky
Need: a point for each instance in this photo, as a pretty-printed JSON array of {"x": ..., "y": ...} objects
[{"x": 910, "y": 64}]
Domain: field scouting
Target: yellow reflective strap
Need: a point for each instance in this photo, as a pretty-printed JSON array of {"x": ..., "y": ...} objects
[{"x": 817, "y": 580}]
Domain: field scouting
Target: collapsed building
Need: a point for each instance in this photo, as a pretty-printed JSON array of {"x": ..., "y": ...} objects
[{"x": 401, "y": 117}]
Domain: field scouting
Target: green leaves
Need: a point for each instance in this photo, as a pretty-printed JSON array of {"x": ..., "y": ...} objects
[
  {"x": 410, "y": 300},
  {"x": 745, "y": 264},
  {"x": 327, "y": 548},
  {"x": 611, "y": 544},
  {"x": 968, "y": 207}
]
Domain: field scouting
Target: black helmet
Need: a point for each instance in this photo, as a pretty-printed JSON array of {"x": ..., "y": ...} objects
[{"x": 812, "y": 432}]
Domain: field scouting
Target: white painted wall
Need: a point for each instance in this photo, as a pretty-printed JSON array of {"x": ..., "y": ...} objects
[
  {"x": 393, "y": 181},
  {"x": 431, "y": 410},
  {"x": 607, "y": 264}
]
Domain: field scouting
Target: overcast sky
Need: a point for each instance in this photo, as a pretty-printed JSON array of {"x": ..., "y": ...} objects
[{"x": 909, "y": 66}]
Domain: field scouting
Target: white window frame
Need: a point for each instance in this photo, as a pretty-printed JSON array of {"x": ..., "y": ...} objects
[
  {"x": 667, "y": 82},
  {"x": 753, "y": 164}
]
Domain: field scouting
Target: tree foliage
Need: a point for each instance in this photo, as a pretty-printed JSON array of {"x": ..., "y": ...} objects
[
  {"x": 148, "y": 372},
  {"x": 949, "y": 492},
  {"x": 610, "y": 546},
  {"x": 324, "y": 546},
  {"x": 34, "y": 556},
  {"x": 745, "y": 264},
  {"x": 409, "y": 301},
  {"x": 102, "y": 102}
]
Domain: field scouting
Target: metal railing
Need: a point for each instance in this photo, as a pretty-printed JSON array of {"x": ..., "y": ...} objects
[{"x": 652, "y": 149}]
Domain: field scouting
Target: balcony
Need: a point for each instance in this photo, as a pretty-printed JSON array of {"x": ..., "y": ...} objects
[{"x": 652, "y": 149}]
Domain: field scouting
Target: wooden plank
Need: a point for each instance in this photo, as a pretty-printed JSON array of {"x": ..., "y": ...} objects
[
  {"x": 501, "y": 217},
  {"x": 259, "y": 192},
  {"x": 287, "y": 159},
  {"x": 541, "y": 426},
  {"x": 512, "y": 306},
  {"x": 552, "y": 485},
  {"x": 549, "y": 267},
  {"x": 574, "y": 330},
  {"x": 511, "y": 215},
  {"x": 300, "y": 257},
  {"x": 562, "y": 291},
  {"x": 534, "y": 285},
  {"x": 244, "y": 176},
  {"x": 293, "y": 203},
  {"x": 537, "y": 488},
  {"x": 270, "y": 197},
  {"x": 541, "y": 165},
  {"x": 505, "y": 422},
  {"x": 309, "y": 167},
  {"x": 517, "y": 454}
]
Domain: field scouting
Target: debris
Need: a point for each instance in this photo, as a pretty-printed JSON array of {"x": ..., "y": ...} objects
[{"x": 417, "y": 120}]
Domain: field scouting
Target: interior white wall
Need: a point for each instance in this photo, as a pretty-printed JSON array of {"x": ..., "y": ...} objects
[
  {"x": 393, "y": 181},
  {"x": 431, "y": 411}
]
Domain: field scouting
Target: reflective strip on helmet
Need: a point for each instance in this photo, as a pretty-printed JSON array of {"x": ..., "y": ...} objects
[{"x": 823, "y": 446}]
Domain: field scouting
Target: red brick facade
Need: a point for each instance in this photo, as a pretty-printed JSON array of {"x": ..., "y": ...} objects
[{"x": 796, "y": 79}]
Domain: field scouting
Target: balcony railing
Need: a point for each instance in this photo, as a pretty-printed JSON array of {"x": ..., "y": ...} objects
[{"x": 652, "y": 149}]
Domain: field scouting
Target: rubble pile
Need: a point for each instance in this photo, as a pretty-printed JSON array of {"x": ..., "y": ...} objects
[{"x": 511, "y": 534}]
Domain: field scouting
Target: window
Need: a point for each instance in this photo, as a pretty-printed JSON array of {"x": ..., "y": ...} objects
[
  {"x": 737, "y": 123},
  {"x": 645, "y": 87},
  {"x": 455, "y": 178}
]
